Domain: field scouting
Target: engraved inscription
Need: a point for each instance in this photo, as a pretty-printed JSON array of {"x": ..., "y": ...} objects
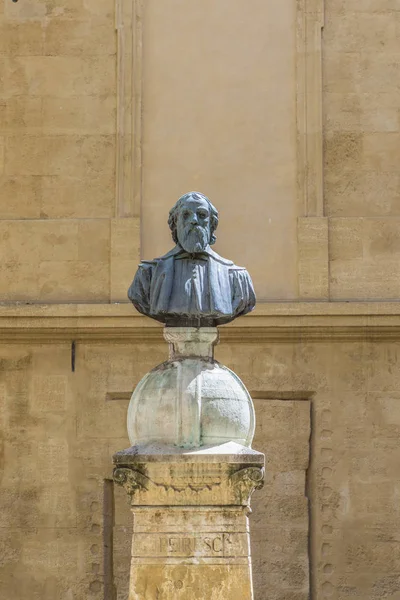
[
  {"x": 177, "y": 545},
  {"x": 210, "y": 545},
  {"x": 186, "y": 544}
]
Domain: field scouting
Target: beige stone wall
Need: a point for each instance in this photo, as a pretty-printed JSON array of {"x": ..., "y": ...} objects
[
  {"x": 109, "y": 110},
  {"x": 361, "y": 52},
  {"x": 103, "y": 116},
  {"x": 280, "y": 522},
  {"x": 58, "y": 239},
  {"x": 57, "y": 110},
  {"x": 328, "y": 420},
  {"x": 105, "y": 121},
  {"x": 212, "y": 122}
]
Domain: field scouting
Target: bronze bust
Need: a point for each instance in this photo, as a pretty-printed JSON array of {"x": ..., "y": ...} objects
[{"x": 192, "y": 286}]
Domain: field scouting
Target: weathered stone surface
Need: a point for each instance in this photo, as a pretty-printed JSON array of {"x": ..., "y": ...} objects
[
  {"x": 279, "y": 522},
  {"x": 362, "y": 148},
  {"x": 364, "y": 261},
  {"x": 190, "y": 531},
  {"x": 124, "y": 256},
  {"x": 312, "y": 236},
  {"x": 62, "y": 260},
  {"x": 353, "y": 389}
]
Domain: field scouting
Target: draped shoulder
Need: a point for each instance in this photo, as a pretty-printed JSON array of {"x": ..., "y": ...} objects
[
  {"x": 243, "y": 295},
  {"x": 139, "y": 291}
]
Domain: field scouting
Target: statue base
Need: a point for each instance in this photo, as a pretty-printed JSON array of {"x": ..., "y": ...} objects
[{"x": 190, "y": 533}]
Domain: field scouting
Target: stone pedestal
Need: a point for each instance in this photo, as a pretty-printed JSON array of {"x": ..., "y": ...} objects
[
  {"x": 190, "y": 474},
  {"x": 190, "y": 534}
]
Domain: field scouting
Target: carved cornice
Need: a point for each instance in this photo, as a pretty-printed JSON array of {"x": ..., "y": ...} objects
[
  {"x": 270, "y": 322},
  {"x": 179, "y": 483}
]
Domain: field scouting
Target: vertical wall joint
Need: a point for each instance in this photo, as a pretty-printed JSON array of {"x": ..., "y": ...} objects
[
  {"x": 310, "y": 20},
  {"x": 128, "y": 22}
]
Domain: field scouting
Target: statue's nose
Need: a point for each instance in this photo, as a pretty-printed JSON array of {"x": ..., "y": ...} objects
[{"x": 194, "y": 220}]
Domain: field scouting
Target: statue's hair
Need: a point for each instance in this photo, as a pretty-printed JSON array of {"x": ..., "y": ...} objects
[{"x": 173, "y": 215}]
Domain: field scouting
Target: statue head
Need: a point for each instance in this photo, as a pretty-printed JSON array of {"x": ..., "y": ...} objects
[{"x": 193, "y": 221}]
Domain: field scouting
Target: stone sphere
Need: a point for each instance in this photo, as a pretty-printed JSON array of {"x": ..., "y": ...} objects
[{"x": 191, "y": 402}]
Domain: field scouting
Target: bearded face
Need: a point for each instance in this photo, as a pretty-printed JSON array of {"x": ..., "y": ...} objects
[
  {"x": 193, "y": 226},
  {"x": 193, "y": 238}
]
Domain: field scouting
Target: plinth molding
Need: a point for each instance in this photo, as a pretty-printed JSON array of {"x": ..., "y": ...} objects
[{"x": 270, "y": 322}]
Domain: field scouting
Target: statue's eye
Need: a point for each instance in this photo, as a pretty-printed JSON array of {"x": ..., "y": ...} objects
[
  {"x": 186, "y": 214},
  {"x": 202, "y": 215}
]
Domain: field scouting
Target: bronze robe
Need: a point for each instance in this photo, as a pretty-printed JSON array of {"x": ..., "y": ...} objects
[{"x": 223, "y": 291}]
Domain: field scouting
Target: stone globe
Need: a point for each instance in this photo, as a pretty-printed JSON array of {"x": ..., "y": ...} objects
[{"x": 191, "y": 401}]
